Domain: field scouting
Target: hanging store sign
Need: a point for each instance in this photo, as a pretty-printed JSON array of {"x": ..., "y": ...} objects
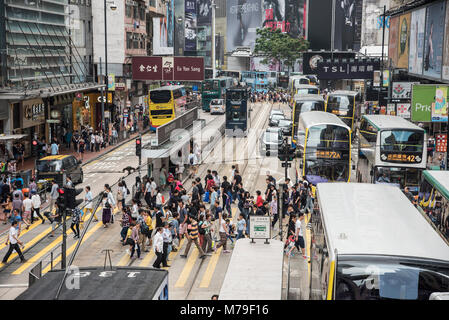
[
  {"x": 403, "y": 110},
  {"x": 402, "y": 90},
  {"x": 354, "y": 69},
  {"x": 441, "y": 142},
  {"x": 168, "y": 68},
  {"x": 33, "y": 113}
]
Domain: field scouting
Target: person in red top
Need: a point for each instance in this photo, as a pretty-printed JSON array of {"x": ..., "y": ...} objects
[
  {"x": 210, "y": 184},
  {"x": 259, "y": 200}
]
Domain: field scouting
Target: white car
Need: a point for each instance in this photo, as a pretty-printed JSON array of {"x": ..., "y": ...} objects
[{"x": 217, "y": 106}]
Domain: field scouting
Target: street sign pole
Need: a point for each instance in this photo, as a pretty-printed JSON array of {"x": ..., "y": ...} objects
[{"x": 64, "y": 239}]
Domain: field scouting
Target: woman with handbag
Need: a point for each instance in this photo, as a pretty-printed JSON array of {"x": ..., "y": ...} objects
[{"x": 106, "y": 217}]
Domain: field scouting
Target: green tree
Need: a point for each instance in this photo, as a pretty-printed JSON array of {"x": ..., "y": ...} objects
[{"x": 279, "y": 47}]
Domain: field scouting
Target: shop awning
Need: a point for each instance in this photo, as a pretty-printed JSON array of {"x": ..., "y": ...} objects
[{"x": 12, "y": 136}]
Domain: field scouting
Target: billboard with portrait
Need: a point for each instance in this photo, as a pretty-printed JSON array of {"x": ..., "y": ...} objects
[
  {"x": 347, "y": 24},
  {"x": 416, "y": 52},
  {"x": 433, "y": 44},
  {"x": 403, "y": 40},
  {"x": 190, "y": 24},
  {"x": 160, "y": 37},
  {"x": 287, "y": 15},
  {"x": 445, "y": 73},
  {"x": 243, "y": 17},
  {"x": 393, "y": 41}
]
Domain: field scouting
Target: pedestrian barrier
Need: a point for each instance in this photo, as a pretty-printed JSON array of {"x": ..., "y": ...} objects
[{"x": 36, "y": 272}]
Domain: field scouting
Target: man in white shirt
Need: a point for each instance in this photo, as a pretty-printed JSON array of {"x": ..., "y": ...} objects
[
  {"x": 158, "y": 246},
  {"x": 14, "y": 243},
  {"x": 299, "y": 238},
  {"x": 36, "y": 201}
]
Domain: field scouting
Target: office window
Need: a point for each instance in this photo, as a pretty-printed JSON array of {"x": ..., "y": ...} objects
[
  {"x": 135, "y": 12},
  {"x": 129, "y": 41},
  {"x": 128, "y": 11}
]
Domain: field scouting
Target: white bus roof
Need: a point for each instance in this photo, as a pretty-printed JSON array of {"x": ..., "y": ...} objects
[
  {"x": 313, "y": 118},
  {"x": 382, "y": 122},
  {"x": 439, "y": 179},
  {"x": 376, "y": 219},
  {"x": 306, "y": 86},
  {"x": 308, "y": 97},
  {"x": 343, "y": 92},
  {"x": 167, "y": 88},
  {"x": 254, "y": 272}
]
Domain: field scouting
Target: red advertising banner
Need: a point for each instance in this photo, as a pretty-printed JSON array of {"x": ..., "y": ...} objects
[
  {"x": 168, "y": 68},
  {"x": 189, "y": 68},
  {"x": 441, "y": 142}
]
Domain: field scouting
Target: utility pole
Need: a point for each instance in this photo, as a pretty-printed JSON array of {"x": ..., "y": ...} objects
[
  {"x": 333, "y": 27},
  {"x": 102, "y": 96},
  {"x": 213, "y": 40},
  {"x": 106, "y": 67},
  {"x": 382, "y": 57}
]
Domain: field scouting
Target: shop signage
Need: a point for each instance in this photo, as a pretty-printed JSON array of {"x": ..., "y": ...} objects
[
  {"x": 354, "y": 69},
  {"x": 259, "y": 227},
  {"x": 311, "y": 58},
  {"x": 402, "y": 90},
  {"x": 390, "y": 109},
  {"x": 182, "y": 122},
  {"x": 429, "y": 103},
  {"x": 168, "y": 68},
  {"x": 33, "y": 113},
  {"x": 111, "y": 82},
  {"x": 120, "y": 86},
  {"x": 441, "y": 142},
  {"x": 403, "y": 110}
]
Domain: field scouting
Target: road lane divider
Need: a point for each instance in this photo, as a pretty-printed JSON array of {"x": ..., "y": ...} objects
[
  {"x": 185, "y": 273},
  {"x": 207, "y": 277}
]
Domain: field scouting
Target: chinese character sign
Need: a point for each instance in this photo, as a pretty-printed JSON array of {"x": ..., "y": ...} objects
[
  {"x": 147, "y": 68},
  {"x": 168, "y": 68},
  {"x": 441, "y": 142}
]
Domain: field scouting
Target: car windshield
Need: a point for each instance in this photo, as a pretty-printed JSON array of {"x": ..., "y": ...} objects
[
  {"x": 48, "y": 165},
  {"x": 160, "y": 96},
  {"x": 389, "y": 279},
  {"x": 284, "y": 123},
  {"x": 217, "y": 102}
]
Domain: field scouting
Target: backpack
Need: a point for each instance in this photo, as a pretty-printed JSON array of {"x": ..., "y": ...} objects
[
  {"x": 144, "y": 228},
  {"x": 201, "y": 230}
]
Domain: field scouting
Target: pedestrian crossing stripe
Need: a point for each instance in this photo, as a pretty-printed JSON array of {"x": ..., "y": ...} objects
[
  {"x": 185, "y": 273},
  {"x": 73, "y": 246},
  {"x": 207, "y": 277}
]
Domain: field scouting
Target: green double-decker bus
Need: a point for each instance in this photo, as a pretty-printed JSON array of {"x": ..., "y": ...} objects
[{"x": 214, "y": 89}]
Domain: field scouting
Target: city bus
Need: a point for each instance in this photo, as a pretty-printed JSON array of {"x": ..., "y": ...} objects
[
  {"x": 214, "y": 89},
  {"x": 272, "y": 79},
  {"x": 391, "y": 150},
  {"x": 257, "y": 80},
  {"x": 344, "y": 104},
  {"x": 264, "y": 282},
  {"x": 295, "y": 81},
  {"x": 237, "y": 111},
  {"x": 307, "y": 89},
  {"x": 324, "y": 144},
  {"x": 368, "y": 242},
  {"x": 165, "y": 103},
  {"x": 304, "y": 103},
  {"x": 433, "y": 200}
]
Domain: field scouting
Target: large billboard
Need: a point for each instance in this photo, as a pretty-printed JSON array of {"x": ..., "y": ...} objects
[
  {"x": 319, "y": 24},
  {"x": 393, "y": 41},
  {"x": 287, "y": 15},
  {"x": 445, "y": 73},
  {"x": 160, "y": 37},
  {"x": 404, "y": 41},
  {"x": 190, "y": 25},
  {"x": 433, "y": 45},
  {"x": 347, "y": 24},
  {"x": 429, "y": 103},
  {"x": 243, "y": 18},
  {"x": 415, "y": 59},
  {"x": 204, "y": 12},
  {"x": 310, "y": 59},
  {"x": 179, "y": 27}
]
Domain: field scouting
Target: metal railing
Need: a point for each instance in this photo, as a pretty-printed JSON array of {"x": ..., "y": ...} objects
[{"x": 36, "y": 272}]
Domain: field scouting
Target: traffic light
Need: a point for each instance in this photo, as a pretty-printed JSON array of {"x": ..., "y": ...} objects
[
  {"x": 34, "y": 145},
  {"x": 61, "y": 201},
  {"x": 138, "y": 147},
  {"x": 286, "y": 153},
  {"x": 70, "y": 199}
]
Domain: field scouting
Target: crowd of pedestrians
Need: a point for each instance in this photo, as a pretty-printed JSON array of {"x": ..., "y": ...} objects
[{"x": 280, "y": 95}]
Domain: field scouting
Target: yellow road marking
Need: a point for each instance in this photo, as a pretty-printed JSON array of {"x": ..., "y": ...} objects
[
  {"x": 205, "y": 282},
  {"x": 41, "y": 253},
  {"x": 86, "y": 236},
  {"x": 147, "y": 260},
  {"x": 124, "y": 260},
  {"x": 187, "y": 269}
]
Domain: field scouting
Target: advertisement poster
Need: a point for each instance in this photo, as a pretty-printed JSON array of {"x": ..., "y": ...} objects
[
  {"x": 439, "y": 107},
  {"x": 393, "y": 41},
  {"x": 423, "y": 96},
  {"x": 111, "y": 82},
  {"x": 190, "y": 26},
  {"x": 433, "y": 45},
  {"x": 286, "y": 15},
  {"x": 445, "y": 72},
  {"x": 404, "y": 39},
  {"x": 415, "y": 59},
  {"x": 385, "y": 78},
  {"x": 204, "y": 12},
  {"x": 347, "y": 24},
  {"x": 441, "y": 142},
  {"x": 179, "y": 28},
  {"x": 403, "y": 110},
  {"x": 160, "y": 37},
  {"x": 402, "y": 90},
  {"x": 170, "y": 23},
  {"x": 243, "y": 18},
  {"x": 391, "y": 109}
]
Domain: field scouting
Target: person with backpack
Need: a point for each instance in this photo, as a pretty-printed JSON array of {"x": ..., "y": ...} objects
[{"x": 145, "y": 229}]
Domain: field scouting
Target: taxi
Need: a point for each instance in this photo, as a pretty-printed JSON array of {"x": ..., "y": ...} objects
[{"x": 58, "y": 167}]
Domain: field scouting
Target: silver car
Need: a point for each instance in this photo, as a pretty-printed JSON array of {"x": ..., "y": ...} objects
[
  {"x": 217, "y": 106},
  {"x": 270, "y": 141}
]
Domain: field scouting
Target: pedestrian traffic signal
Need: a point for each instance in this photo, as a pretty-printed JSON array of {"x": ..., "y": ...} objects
[
  {"x": 61, "y": 200},
  {"x": 286, "y": 153},
  {"x": 138, "y": 147},
  {"x": 70, "y": 197},
  {"x": 34, "y": 145}
]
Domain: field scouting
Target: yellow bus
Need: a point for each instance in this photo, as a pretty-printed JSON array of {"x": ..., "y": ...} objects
[
  {"x": 164, "y": 104},
  {"x": 344, "y": 104},
  {"x": 323, "y": 142}
]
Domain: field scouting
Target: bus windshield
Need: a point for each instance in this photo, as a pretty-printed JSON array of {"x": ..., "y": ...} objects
[
  {"x": 402, "y": 140},
  {"x": 327, "y": 153},
  {"x": 389, "y": 279},
  {"x": 400, "y": 177},
  {"x": 340, "y": 105},
  {"x": 160, "y": 96},
  {"x": 306, "y": 106}
]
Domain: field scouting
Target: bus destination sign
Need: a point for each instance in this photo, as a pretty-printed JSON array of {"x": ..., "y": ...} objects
[
  {"x": 328, "y": 154},
  {"x": 400, "y": 157}
]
